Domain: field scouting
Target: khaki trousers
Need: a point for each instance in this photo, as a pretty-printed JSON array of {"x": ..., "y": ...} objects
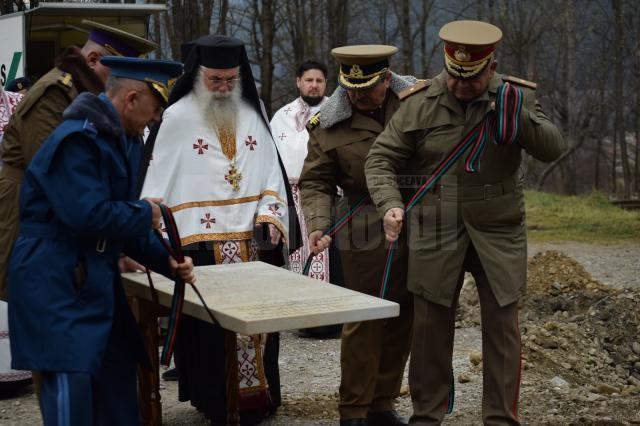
[
  {"x": 430, "y": 369},
  {"x": 9, "y": 227},
  {"x": 372, "y": 359}
]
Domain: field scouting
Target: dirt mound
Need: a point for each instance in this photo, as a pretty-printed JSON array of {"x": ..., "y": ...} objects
[
  {"x": 575, "y": 330},
  {"x": 557, "y": 283},
  {"x": 551, "y": 272}
]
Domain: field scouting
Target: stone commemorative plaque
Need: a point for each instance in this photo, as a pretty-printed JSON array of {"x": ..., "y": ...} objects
[{"x": 255, "y": 297}]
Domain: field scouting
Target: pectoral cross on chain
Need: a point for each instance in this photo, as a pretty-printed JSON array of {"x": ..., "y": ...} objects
[{"x": 233, "y": 177}]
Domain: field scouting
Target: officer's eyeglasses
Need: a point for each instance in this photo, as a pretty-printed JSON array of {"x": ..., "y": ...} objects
[{"x": 217, "y": 82}]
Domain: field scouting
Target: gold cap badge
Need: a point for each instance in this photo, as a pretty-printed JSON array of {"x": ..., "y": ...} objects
[
  {"x": 462, "y": 55},
  {"x": 355, "y": 72}
]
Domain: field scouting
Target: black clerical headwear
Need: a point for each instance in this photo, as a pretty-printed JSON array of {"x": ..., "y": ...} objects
[
  {"x": 219, "y": 51},
  {"x": 223, "y": 52}
]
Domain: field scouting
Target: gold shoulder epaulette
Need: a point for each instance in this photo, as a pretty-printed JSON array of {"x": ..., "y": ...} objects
[
  {"x": 519, "y": 81},
  {"x": 66, "y": 79},
  {"x": 314, "y": 121},
  {"x": 420, "y": 85}
]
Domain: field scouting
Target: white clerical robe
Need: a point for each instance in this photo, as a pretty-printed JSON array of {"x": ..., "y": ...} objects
[
  {"x": 8, "y": 103},
  {"x": 288, "y": 126},
  {"x": 190, "y": 171}
]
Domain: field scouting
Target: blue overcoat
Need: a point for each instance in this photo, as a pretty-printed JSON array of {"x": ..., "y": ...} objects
[{"x": 77, "y": 214}]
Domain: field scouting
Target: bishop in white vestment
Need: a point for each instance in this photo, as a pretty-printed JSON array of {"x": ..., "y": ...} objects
[
  {"x": 216, "y": 166},
  {"x": 217, "y": 190}
]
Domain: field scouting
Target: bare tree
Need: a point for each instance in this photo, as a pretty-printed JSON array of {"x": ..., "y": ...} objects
[
  {"x": 222, "y": 17},
  {"x": 602, "y": 121},
  {"x": 295, "y": 22},
  {"x": 263, "y": 36},
  {"x": 636, "y": 23},
  {"x": 619, "y": 132},
  {"x": 567, "y": 106},
  {"x": 187, "y": 20},
  {"x": 571, "y": 186},
  {"x": 426, "y": 54},
  {"x": 564, "y": 46},
  {"x": 403, "y": 15},
  {"x": 522, "y": 28},
  {"x": 337, "y": 20}
]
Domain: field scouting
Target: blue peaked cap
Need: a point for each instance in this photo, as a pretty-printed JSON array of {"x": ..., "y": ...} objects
[{"x": 158, "y": 74}]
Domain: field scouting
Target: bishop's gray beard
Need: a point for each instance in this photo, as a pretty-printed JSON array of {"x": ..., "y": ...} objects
[{"x": 220, "y": 110}]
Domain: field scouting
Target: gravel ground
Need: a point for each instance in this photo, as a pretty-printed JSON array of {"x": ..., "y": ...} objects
[
  {"x": 310, "y": 371},
  {"x": 310, "y": 375}
]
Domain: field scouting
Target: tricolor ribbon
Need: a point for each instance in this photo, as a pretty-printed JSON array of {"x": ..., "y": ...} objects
[
  {"x": 339, "y": 224},
  {"x": 500, "y": 125},
  {"x": 174, "y": 247},
  {"x": 175, "y": 250}
]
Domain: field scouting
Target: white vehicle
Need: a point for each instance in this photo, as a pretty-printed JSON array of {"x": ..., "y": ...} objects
[{"x": 32, "y": 39}]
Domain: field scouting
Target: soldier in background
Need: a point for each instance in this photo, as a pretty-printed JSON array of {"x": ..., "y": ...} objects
[
  {"x": 470, "y": 222},
  {"x": 373, "y": 353},
  {"x": 77, "y": 70},
  {"x": 19, "y": 85}
]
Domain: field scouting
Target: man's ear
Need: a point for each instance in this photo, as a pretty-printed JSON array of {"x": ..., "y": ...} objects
[
  {"x": 298, "y": 82},
  {"x": 129, "y": 98},
  {"x": 387, "y": 79},
  {"x": 492, "y": 68},
  {"x": 93, "y": 58}
]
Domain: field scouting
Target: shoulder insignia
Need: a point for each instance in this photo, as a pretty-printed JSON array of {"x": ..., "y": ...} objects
[
  {"x": 314, "y": 121},
  {"x": 420, "y": 85},
  {"x": 519, "y": 81},
  {"x": 89, "y": 129},
  {"x": 66, "y": 79}
]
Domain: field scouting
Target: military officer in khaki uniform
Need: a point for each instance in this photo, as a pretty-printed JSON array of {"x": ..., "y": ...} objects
[
  {"x": 76, "y": 71},
  {"x": 373, "y": 353},
  {"x": 471, "y": 221}
]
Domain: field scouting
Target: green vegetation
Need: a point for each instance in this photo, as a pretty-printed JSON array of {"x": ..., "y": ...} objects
[{"x": 588, "y": 218}]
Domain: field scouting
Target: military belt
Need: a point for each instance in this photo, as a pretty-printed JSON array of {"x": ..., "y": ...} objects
[
  {"x": 57, "y": 232},
  {"x": 44, "y": 230},
  {"x": 474, "y": 193},
  {"x": 11, "y": 173}
]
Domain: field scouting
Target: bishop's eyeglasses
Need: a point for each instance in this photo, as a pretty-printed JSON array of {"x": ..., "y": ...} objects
[{"x": 229, "y": 82}]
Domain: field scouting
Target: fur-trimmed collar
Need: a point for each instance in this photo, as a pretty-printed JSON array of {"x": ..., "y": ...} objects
[
  {"x": 98, "y": 110},
  {"x": 338, "y": 107}
]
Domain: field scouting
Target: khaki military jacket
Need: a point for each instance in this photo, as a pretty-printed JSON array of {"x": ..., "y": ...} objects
[
  {"x": 336, "y": 154},
  {"x": 36, "y": 116},
  {"x": 39, "y": 113},
  {"x": 485, "y": 209}
]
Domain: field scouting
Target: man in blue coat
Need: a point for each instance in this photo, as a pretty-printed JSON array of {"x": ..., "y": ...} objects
[{"x": 68, "y": 315}]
